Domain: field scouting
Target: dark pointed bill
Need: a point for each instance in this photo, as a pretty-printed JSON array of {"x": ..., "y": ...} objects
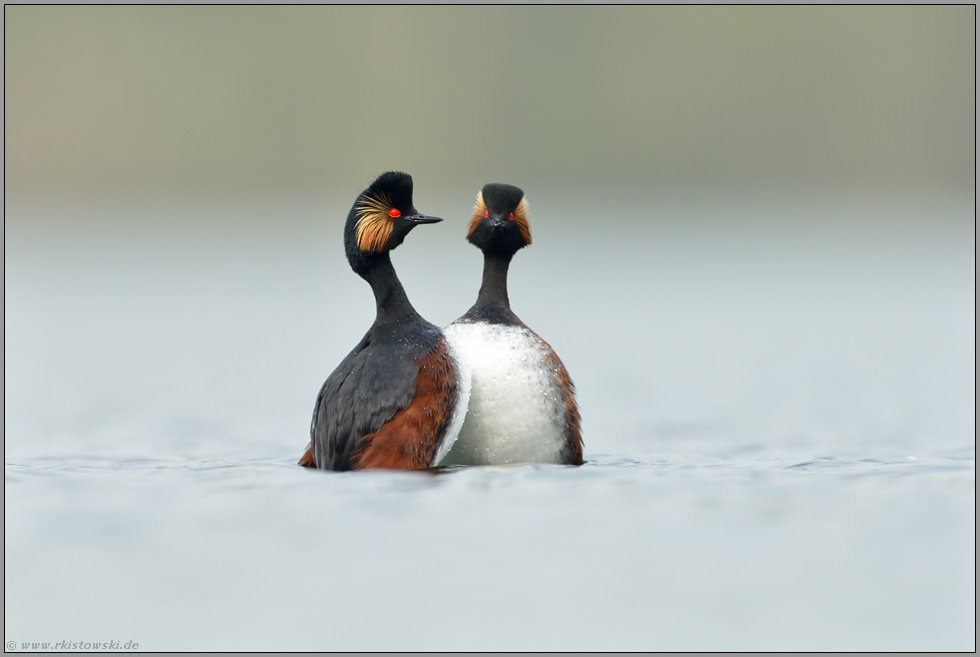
[{"x": 421, "y": 219}]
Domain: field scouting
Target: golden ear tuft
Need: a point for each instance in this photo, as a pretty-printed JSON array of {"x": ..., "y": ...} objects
[
  {"x": 479, "y": 212},
  {"x": 520, "y": 216},
  {"x": 374, "y": 224}
]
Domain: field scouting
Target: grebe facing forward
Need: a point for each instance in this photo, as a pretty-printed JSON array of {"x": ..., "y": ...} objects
[
  {"x": 398, "y": 399},
  {"x": 522, "y": 405}
]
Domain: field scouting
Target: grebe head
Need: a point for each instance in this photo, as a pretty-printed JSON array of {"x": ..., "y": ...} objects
[
  {"x": 380, "y": 218},
  {"x": 499, "y": 223}
]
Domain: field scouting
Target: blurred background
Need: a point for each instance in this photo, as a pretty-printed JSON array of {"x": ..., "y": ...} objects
[
  {"x": 316, "y": 98},
  {"x": 754, "y": 250}
]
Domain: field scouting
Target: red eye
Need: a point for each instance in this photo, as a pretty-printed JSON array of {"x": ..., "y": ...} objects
[
  {"x": 394, "y": 213},
  {"x": 486, "y": 213},
  {"x": 511, "y": 217}
]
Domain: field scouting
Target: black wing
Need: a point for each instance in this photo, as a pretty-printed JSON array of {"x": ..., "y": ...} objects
[{"x": 369, "y": 386}]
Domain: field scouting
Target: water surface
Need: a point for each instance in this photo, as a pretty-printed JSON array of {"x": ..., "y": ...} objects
[{"x": 778, "y": 408}]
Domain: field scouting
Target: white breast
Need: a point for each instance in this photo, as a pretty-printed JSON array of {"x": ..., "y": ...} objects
[{"x": 516, "y": 413}]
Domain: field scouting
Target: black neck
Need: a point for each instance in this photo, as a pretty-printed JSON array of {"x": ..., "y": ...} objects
[
  {"x": 395, "y": 311},
  {"x": 492, "y": 304},
  {"x": 493, "y": 292}
]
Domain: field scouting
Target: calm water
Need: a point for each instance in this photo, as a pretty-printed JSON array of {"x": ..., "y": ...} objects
[{"x": 778, "y": 405}]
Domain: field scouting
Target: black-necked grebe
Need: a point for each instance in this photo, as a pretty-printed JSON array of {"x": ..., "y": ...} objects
[
  {"x": 398, "y": 399},
  {"x": 522, "y": 405}
]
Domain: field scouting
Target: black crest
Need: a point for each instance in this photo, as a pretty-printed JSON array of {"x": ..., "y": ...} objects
[{"x": 501, "y": 199}]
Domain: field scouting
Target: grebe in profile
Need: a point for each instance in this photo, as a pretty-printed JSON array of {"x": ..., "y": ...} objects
[
  {"x": 522, "y": 405},
  {"x": 398, "y": 399}
]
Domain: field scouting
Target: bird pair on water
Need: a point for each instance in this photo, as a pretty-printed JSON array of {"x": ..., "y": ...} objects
[{"x": 485, "y": 390}]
